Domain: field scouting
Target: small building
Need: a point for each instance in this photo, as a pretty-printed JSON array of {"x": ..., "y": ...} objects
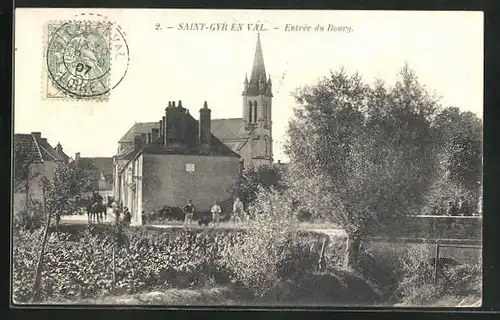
[
  {"x": 179, "y": 159},
  {"x": 34, "y": 152},
  {"x": 100, "y": 172}
]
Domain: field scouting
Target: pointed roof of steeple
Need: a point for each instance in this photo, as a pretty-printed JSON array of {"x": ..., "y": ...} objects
[{"x": 258, "y": 69}]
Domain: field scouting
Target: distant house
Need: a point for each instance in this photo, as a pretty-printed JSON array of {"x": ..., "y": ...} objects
[
  {"x": 100, "y": 172},
  {"x": 172, "y": 164},
  {"x": 36, "y": 152}
]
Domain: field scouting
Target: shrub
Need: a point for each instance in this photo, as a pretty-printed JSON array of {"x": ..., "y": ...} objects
[
  {"x": 464, "y": 278},
  {"x": 337, "y": 287},
  {"x": 166, "y": 213},
  {"x": 380, "y": 264},
  {"x": 416, "y": 275},
  {"x": 416, "y": 284},
  {"x": 25, "y": 252},
  {"x": 30, "y": 217},
  {"x": 252, "y": 180},
  {"x": 78, "y": 262},
  {"x": 272, "y": 249},
  {"x": 80, "y": 266}
]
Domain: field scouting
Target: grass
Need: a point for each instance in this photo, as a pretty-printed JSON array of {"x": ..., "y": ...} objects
[
  {"x": 83, "y": 219},
  {"x": 338, "y": 287},
  {"x": 230, "y": 225},
  {"x": 172, "y": 297}
]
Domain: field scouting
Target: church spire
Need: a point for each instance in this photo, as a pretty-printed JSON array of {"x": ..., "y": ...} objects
[
  {"x": 258, "y": 69},
  {"x": 245, "y": 84}
]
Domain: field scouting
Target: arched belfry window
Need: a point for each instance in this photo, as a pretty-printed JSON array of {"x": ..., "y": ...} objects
[
  {"x": 267, "y": 150},
  {"x": 250, "y": 111},
  {"x": 255, "y": 111},
  {"x": 266, "y": 115}
]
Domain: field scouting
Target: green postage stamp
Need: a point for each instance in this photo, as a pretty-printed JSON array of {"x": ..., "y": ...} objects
[{"x": 85, "y": 59}]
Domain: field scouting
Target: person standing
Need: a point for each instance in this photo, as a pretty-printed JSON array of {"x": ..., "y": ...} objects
[
  {"x": 238, "y": 212},
  {"x": 119, "y": 210},
  {"x": 189, "y": 211},
  {"x": 114, "y": 207},
  {"x": 127, "y": 217},
  {"x": 453, "y": 209},
  {"x": 216, "y": 212},
  {"x": 460, "y": 205},
  {"x": 97, "y": 198},
  {"x": 466, "y": 208}
]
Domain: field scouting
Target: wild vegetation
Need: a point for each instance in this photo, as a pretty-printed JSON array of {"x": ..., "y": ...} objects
[{"x": 364, "y": 155}]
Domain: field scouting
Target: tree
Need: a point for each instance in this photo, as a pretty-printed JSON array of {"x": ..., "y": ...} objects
[
  {"x": 59, "y": 198},
  {"x": 461, "y": 144},
  {"x": 361, "y": 155},
  {"x": 246, "y": 185},
  {"x": 63, "y": 191}
]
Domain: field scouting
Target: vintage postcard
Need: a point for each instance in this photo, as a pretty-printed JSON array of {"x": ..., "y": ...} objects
[{"x": 250, "y": 158}]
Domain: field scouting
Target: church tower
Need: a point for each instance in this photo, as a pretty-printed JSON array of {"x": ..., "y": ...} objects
[{"x": 257, "y": 110}]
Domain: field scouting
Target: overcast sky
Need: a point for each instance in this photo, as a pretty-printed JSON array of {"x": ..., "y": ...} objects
[{"x": 444, "y": 48}]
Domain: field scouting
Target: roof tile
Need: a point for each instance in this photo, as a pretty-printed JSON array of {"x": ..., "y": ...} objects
[
  {"x": 223, "y": 129},
  {"x": 37, "y": 148}
]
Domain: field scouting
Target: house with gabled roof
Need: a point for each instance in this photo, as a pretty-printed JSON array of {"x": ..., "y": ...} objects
[
  {"x": 99, "y": 171},
  {"x": 34, "y": 153},
  {"x": 186, "y": 162}
]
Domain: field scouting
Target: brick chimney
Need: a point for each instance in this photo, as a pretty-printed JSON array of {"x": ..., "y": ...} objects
[
  {"x": 155, "y": 135},
  {"x": 77, "y": 156},
  {"x": 205, "y": 136},
  {"x": 138, "y": 142},
  {"x": 160, "y": 132},
  {"x": 59, "y": 148},
  {"x": 164, "y": 130},
  {"x": 37, "y": 135}
]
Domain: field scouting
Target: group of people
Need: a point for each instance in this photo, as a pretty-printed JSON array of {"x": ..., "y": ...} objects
[
  {"x": 238, "y": 213},
  {"x": 117, "y": 208},
  {"x": 122, "y": 213},
  {"x": 462, "y": 207}
]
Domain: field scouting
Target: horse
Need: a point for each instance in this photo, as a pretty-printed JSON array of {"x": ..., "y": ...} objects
[{"x": 96, "y": 212}]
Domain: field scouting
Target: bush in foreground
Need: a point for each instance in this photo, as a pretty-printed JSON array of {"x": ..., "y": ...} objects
[
  {"x": 416, "y": 277},
  {"x": 272, "y": 249},
  {"x": 79, "y": 266}
]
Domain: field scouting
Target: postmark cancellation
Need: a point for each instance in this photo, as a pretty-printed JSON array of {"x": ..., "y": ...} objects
[{"x": 84, "y": 60}]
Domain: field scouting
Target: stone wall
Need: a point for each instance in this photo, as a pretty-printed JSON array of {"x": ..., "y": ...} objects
[
  {"x": 430, "y": 228},
  {"x": 173, "y": 179}
]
